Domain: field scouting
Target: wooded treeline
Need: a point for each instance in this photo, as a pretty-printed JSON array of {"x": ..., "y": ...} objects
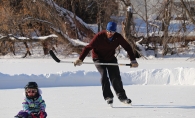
[{"x": 22, "y": 18}]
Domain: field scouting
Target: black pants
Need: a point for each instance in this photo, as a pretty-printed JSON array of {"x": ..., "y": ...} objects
[{"x": 114, "y": 78}]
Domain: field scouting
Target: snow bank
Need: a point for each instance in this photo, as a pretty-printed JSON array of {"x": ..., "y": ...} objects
[{"x": 176, "y": 76}]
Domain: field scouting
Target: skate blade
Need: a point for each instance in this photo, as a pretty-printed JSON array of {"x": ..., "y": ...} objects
[
  {"x": 130, "y": 104},
  {"x": 111, "y": 105}
]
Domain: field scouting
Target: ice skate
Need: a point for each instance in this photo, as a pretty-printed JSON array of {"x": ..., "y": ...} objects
[
  {"x": 126, "y": 101},
  {"x": 109, "y": 101}
]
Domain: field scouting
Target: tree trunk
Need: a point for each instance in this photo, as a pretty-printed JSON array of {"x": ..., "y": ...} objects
[
  {"x": 27, "y": 50},
  {"x": 166, "y": 22},
  {"x": 127, "y": 30}
]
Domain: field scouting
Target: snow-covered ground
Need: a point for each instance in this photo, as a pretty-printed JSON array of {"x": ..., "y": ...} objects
[
  {"x": 159, "y": 88},
  {"x": 149, "y": 101}
]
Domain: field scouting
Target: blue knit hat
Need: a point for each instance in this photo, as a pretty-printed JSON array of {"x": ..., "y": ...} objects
[{"x": 111, "y": 26}]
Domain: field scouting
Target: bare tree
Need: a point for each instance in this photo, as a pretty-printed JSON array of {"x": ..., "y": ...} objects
[
  {"x": 40, "y": 18},
  {"x": 190, "y": 15},
  {"x": 165, "y": 24},
  {"x": 105, "y": 8}
]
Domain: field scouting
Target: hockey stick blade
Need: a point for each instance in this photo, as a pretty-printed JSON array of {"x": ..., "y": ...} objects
[{"x": 54, "y": 56}]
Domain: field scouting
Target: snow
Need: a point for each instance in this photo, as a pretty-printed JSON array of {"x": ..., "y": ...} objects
[
  {"x": 87, "y": 102},
  {"x": 159, "y": 87},
  {"x": 45, "y": 37},
  {"x": 65, "y": 74},
  {"x": 129, "y": 9}
]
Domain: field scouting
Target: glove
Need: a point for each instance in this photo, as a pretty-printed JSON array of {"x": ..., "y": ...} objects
[
  {"x": 78, "y": 62},
  {"x": 41, "y": 114},
  {"x": 134, "y": 64},
  {"x": 32, "y": 115}
]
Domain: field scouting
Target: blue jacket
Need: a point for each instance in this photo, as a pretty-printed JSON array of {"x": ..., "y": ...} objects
[{"x": 30, "y": 105}]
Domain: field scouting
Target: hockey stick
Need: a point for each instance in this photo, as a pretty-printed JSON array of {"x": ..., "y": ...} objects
[{"x": 60, "y": 61}]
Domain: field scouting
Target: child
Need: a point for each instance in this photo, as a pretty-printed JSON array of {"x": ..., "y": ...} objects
[{"x": 33, "y": 105}]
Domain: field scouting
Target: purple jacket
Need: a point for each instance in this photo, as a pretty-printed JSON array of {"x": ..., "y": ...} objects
[{"x": 103, "y": 48}]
